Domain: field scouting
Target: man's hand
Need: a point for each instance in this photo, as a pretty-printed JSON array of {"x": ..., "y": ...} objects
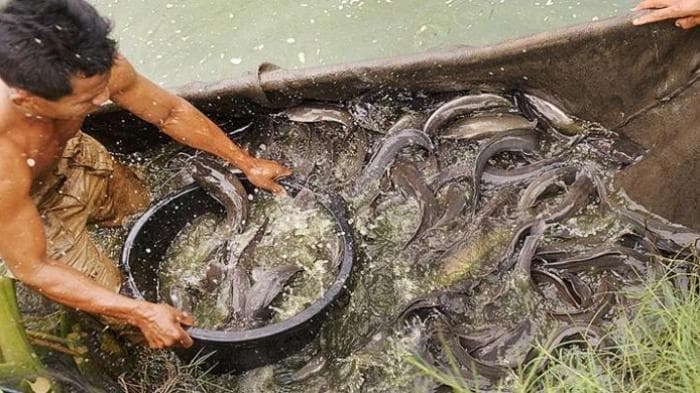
[
  {"x": 264, "y": 174},
  {"x": 685, "y": 12},
  {"x": 162, "y": 325}
]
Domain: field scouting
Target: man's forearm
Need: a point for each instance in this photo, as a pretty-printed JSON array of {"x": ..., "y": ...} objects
[
  {"x": 189, "y": 126},
  {"x": 67, "y": 286}
]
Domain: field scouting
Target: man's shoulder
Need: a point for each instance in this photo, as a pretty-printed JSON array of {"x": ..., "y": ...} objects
[
  {"x": 10, "y": 153},
  {"x": 15, "y": 174}
]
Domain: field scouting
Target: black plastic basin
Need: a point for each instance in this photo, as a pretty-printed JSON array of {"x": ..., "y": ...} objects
[{"x": 237, "y": 351}]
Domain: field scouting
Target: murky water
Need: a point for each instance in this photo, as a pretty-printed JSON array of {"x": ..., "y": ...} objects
[{"x": 179, "y": 41}]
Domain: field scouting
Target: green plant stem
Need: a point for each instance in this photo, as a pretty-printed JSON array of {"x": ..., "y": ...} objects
[{"x": 14, "y": 346}]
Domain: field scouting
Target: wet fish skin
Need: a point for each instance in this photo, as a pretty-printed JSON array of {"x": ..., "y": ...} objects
[
  {"x": 374, "y": 111},
  {"x": 516, "y": 140},
  {"x": 214, "y": 177},
  {"x": 454, "y": 205},
  {"x": 491, "y": 350},
  {"x": 567, "y": 175},
  {"x": 295, "y": 146},
  {"x": 576, "y": 198},
  {"x": 268, "y": 284},
  {"x": 215, "y": 275},
  {"x": 454, "y": 173},
  {"x": 406, "y": 178},
  {"x": 668, "y": 237},
  {"x": 596, "y": 258},
  {"x": 462, "y": 106},
  {"x": 471, "y": 365},
  {"x": 411, "y": 120},
  {"x": 386, "y": 154},
  {"x": 348, "y": 162},
  {"x": 579, "y": 288},
  {"x": 475, "y": 228},
  {"x": 180, "y": 299},
  {"x": 313, "y": 113},
  {"x": 521, "y": 230},
  {"x": 591, "y": 334},
  {"x": 602, "y": 302},
  {"x": 548, "y": 114},
  {"x": 237, "y": 274},
  {"x": 313, "y": 367},
  {"x": 527, "y": 253},
  {"x": 521, "y": 174},
  {"x": 540, "y": 275},
  {"x": 238, "y": 295},
  {"x": 485, "y": 126}
]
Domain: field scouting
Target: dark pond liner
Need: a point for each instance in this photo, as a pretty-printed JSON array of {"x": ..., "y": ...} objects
[{"x": 235, "y": 351}]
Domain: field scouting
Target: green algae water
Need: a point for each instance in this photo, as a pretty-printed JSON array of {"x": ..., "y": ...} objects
[{"x": 175, "y": 42}]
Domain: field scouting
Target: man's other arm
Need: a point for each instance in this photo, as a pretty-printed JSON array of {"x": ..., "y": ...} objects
[
  {"x": 23, "y": 248},
  {"x": 183, "y": 122}
]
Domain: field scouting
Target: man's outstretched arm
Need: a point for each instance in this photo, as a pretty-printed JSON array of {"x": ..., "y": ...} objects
[
  {"x": 23, "y": 248},
  {"x": 184, "y": 123},
  {"x": 685, "y": 12}
]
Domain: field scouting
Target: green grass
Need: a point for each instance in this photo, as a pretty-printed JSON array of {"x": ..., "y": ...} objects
[
  {"x": 161, "y": 372},
  {"x": 655, "y": 350}
]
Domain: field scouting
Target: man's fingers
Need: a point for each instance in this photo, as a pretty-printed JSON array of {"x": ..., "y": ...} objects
[
  {"x": 656, "y": 16},
  {"x": 185, "y": 319},
  {"x": 153, "y": 341},
  {"x": 277, "y": 189},
  {"x": 186, "y": 341},
  {"x": 689, "y": 22},
  {"x": 647, "y": 4},
  {"x": 283, "y": 173}
]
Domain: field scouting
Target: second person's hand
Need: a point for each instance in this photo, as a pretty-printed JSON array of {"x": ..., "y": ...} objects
[{"x": 685, "y": 12}]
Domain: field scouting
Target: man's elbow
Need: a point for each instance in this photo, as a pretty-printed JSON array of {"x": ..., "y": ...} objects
[
  {"x": 180, "y": 113},
  {"x": 34, "y": 275}
]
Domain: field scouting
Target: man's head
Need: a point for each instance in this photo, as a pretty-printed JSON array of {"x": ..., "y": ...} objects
[{"x": 55, "y": 55}]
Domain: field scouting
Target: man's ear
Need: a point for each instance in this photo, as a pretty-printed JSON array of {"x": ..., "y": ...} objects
[{"x": 23, "y": 99}]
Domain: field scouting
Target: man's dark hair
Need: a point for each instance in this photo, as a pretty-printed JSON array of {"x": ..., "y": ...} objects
[{"x": 43, "y": 43}]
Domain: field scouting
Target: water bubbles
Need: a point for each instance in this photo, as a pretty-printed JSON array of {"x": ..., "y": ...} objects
[{"x": 236, "y": 60}]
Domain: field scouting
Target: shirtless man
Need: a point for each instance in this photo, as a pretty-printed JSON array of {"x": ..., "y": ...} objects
[{"x": 57, "y": 65}]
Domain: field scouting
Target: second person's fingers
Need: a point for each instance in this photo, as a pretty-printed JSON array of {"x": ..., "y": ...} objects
[
  {"x": 646, "y": 4},
  {"x": 688, "y": 22},
  {"x": 656, "y": 16}
]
